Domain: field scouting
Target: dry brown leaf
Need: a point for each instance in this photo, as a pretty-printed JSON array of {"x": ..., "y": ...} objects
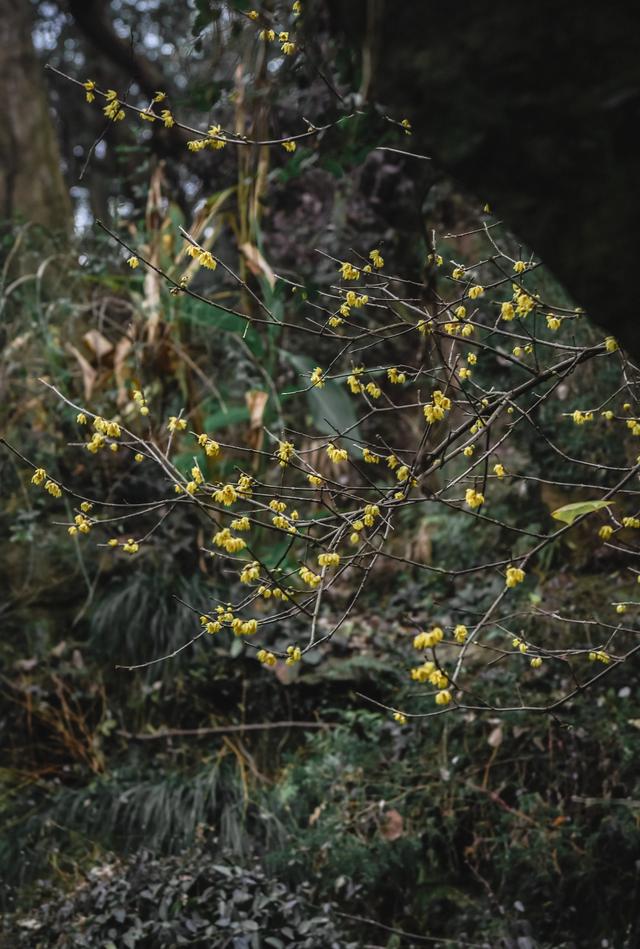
[
  {"x": 257, "y": 263},
  {"x": 313, "y": 817},
  {"x": 123, "y": 348},
  {"x": 89, "y": 375},
  {"x": 256, "y": 401},
  {"x": 98, "y": 343}
]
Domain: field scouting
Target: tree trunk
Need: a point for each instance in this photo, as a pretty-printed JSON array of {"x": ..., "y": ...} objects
[{"x": 32, "y": 186}]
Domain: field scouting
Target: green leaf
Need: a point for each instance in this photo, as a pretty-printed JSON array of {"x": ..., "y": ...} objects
[{"x": 569, "y": 512}]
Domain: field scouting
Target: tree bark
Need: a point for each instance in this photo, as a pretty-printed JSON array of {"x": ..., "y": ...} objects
[{"x": 32, "y": 185}]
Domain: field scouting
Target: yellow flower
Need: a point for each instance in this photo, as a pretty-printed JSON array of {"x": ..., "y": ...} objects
[
  {"x": 336, "y": 454},
  {"x": 205, "y": 259},
  {"x": 266, "y": 658},
  {"x": 536, "y": 662},
  {"x": 317, "y": 378},
  {"x": 253, "y": 14},
  {"x": 473, "y": 498},
  {"x": 460, "y": 633},
  {"x": 519, "y": 266},
  {"x": 525, "y": 304},
  {"x": 464, "y": 373},
  {"x": 133, "y": 262},
  {"x": 53, "y": 489},
  {"x": 176, "y": 424},
  {"x": 475, "y": 292},
  {"x": 90, "y": 85},
  {"x": 515, "y": 575},
  {"x": 244, "y": 628},
  {"x": 309, "y": 577},
  {"x": 443, "y": 697},
  {"x": 294, "y": 654},
  {"x": 499, "y": 471},
  {"x": 314, "y": 480},
  {"x": 376, "y": 259},
  {"x": 605, "y": 532},
  {"x": 397, "y": 378},
  {"x": 167, "y": 118},
  {"x": 610, "y": 344},
  {"x": 131, "y": 546},
  {"x": 289, "y": 146},
  {"x": 400, "y": 718},
  {"x": 112, "y": 110},
  {"x": 226, "y": 495},
  {"x": 507, "y": 311},
  {"x": 39, "y": 476},
  {"x": 329, "y": 560},
  {"x": 285, "y": 453},
  {"x": 288, "y": 48},
  {"x": 406, "y": 125},
  {"x": 553, "y": 322},
  {"x": 348, "y": 272},
  {"x": 428, "y": 640},
  {"x": 250, "y": 572},
  {"x": 468, "y": 451}
]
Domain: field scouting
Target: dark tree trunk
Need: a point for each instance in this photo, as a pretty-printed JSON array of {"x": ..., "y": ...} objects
[{"x": 32, "y": 186}]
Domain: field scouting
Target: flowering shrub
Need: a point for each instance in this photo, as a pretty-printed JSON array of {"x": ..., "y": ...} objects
[{"x": 298, "y": 515}]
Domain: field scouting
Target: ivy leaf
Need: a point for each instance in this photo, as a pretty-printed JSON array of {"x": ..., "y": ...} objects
[{"x": 569, "y": 512}]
